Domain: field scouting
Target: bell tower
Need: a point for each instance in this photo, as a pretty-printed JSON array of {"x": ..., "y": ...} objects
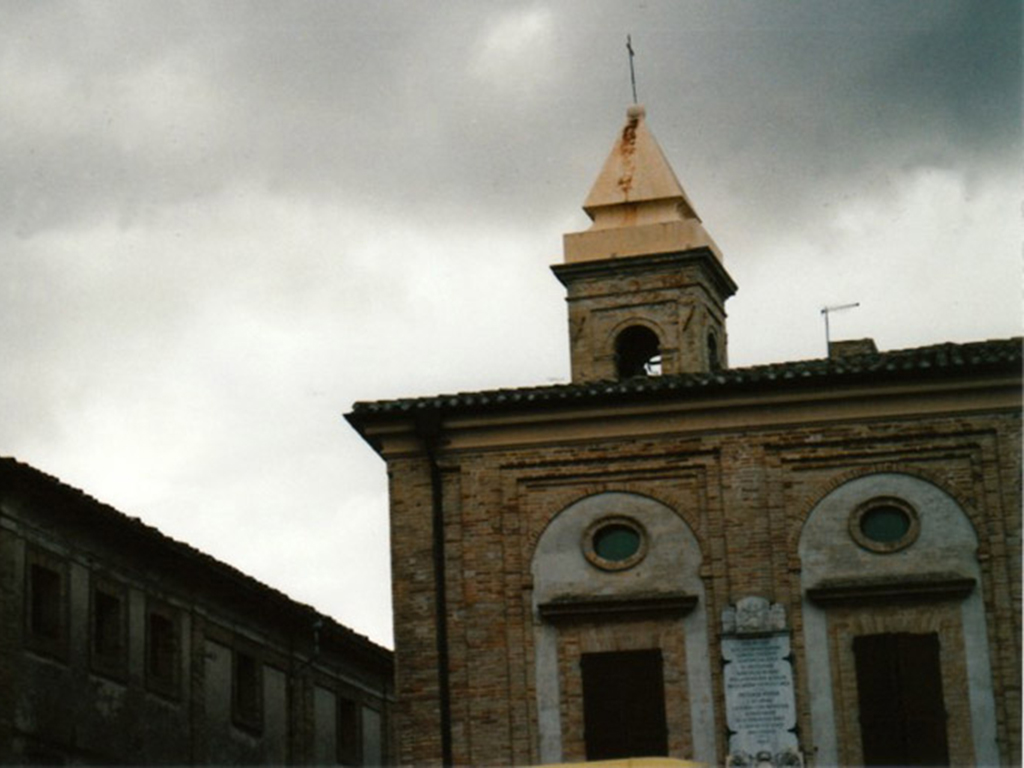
[{"x": 646, "y": 286}]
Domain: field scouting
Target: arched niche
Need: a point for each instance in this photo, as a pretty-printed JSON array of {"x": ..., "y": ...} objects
[
  {"x": 637, "y": 352},
  {"x": 864, "y": 572},
  {"x": 643, "y": 590}
]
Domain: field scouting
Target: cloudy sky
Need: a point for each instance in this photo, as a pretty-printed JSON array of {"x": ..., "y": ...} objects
[{"x": 222, "y": 223}]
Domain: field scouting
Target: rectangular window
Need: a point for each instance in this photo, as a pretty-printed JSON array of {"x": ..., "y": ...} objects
[
  {"x": 349, "y": 741},
  {"x": 247, "y": 691},
  {"x": 108, "y": 646},
  {"x": 162, "y": 650},
  {"x": 899, "y": 689},
  {"x": 624, "y": 704},
  {"x": 46, "y": 603},
  {"x": 46, "y": 606}
]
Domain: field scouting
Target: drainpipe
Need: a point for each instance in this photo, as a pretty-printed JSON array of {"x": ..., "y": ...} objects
[{"x": 428, "y": 429}]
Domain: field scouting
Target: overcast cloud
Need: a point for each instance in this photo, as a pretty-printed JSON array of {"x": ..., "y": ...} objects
[{"x": 221, "y": 223}]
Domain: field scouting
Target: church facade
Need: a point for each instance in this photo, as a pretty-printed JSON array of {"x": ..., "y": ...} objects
[{"x": 813, "y": 562}]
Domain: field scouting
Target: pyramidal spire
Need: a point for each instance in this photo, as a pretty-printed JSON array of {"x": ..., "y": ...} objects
[{"x": 637, "y": 204}]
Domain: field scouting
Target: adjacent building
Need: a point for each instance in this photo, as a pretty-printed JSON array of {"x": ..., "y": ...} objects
[
  {"x": 121, "y": 645},
  {"x": 813, "y": 562}
]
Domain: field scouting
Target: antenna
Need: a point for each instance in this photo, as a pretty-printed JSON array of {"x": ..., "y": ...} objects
[
  {"x": 632, "y": 73},
  {"x": 825, "y": 311}
]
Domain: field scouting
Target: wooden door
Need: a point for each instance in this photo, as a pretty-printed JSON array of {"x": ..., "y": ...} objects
[
  {"x": 624, "y": 704},
  {"x": 902, "y": 712}
]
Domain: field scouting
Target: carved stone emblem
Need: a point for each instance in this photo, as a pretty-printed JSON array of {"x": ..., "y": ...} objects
[{"x": 753, "y": 616}]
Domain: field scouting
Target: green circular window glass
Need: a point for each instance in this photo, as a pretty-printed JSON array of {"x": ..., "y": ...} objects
[
  {"x": 885, "y": 524},
  {"x": 616, "y": 542}
]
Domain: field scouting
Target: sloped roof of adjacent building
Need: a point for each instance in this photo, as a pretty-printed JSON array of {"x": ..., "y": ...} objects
[
  {"x": 81, "y": 509},
  {"x": 939, "y": 361}
]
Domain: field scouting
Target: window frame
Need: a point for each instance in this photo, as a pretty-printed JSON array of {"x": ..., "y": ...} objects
[
  {"x": 614, "y": 521},
  {"x": 115, "y": 664},
  {"x": 247, "y": 705},
  {"x": 54, "y": 645},
  {"x": 884, "y": 547},
  {"x": 166, "y": 684}
]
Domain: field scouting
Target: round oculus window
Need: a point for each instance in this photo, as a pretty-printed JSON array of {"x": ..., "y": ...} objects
[
  {"x": 615, "y": 543},
  {"x": 884, "y": 525}
]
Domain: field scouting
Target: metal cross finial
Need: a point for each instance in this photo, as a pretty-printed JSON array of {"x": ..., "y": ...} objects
[{"x": 632, "y": 73}]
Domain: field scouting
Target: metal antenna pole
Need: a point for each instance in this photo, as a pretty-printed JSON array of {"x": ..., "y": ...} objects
[
  {"x": 826, "y": 311},
  {"x": 632, "y": 73}
]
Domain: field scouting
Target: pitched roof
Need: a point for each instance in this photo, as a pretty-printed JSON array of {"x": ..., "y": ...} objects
[
  {"x": 81, "y": 509},
  {"x": 637, "y": 205},
  {"x": 636, "y": 171},
  {"x": 939, "y": 360}
]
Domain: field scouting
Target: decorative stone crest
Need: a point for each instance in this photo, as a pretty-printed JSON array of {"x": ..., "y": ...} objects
[{"x": 753, "y": 616}]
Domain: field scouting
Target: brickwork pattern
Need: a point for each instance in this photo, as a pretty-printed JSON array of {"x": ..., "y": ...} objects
[
  {"x": 413, "y": 595},
  {"x": 676, "y": 297},
  {"x": 745, "y": 495}
]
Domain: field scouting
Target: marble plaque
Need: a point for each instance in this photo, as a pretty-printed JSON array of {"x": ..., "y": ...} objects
[{"x": 759, "y": 703}]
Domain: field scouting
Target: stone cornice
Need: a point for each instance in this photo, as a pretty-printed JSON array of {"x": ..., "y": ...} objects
[
  {"x": 897, "y": 587},
  {"x": 626, "y": 265},
  {"x": 606, "y": 608}
]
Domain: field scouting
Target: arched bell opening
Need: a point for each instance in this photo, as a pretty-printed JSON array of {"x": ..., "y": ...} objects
[
  {"x": 714, "y": 361},
  {"x": 637, "y": 352}
]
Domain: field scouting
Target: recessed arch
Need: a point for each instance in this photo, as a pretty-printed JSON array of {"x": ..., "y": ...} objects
[
  {"x": 637, "y": 352},
  {"x": 922, "y": 474},
  {"x": 850, "y": 590},
  {"x": 560, "y": 566},
  {"x": 714, "y": 357},
  {"x": 662, "y": 577}
]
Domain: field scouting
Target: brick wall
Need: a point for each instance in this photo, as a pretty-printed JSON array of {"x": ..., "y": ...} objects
[{"x": 744, "y": 493}]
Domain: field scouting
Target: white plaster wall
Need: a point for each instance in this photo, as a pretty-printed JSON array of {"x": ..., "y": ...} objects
[
  {"x": 561, "y": 570},
  {"x": 947, "y": 541}
]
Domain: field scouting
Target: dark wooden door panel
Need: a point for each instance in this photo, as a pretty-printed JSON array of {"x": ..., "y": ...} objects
[
  {"x": 624, "y": 704},
  {"x": 899, "y": 687}
]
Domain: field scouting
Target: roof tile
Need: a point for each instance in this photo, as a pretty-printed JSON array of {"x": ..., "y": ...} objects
[{"x": 935, "y": 360}]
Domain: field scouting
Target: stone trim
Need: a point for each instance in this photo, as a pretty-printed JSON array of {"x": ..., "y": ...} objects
[
  {"x": 929, "y": 586},
  {"x": 611, "y": 608},
  {"x": 624, "y": 521},
  {"x": 568, "y": 273},
  {"x": 864, "y": 541}
]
